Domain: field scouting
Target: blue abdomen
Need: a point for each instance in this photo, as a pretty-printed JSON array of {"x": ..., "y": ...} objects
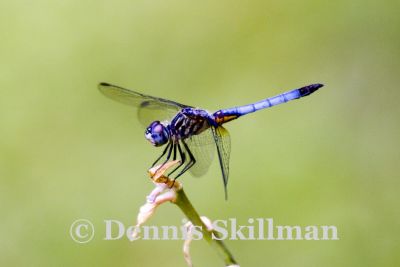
[{"x": 225, "y": 115}]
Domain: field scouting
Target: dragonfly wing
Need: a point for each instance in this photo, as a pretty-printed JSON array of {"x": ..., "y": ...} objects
[
  {"x": 202, "y": 147},
  {"x": 223, "y": 142},
  {"x": 150, "y": 108},
  {"x": 150, "y": 111}
]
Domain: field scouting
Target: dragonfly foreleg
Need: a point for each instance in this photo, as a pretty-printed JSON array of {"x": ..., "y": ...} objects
[
  {"x": 163, "y": 153},
  {"x": 168, "y": 156}
]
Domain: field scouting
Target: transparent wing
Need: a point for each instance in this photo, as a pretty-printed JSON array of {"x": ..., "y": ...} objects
[
  {"x": 223, "y": 141},
  {"x": 150, "y": 111},
  {"x": 150, "y": 108},
  {"x": 202, "y": 147}
]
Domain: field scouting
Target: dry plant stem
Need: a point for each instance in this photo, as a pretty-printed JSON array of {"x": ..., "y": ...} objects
[
  {"x": 181, "y": 200},
  {"x": 184, "y": 204}
]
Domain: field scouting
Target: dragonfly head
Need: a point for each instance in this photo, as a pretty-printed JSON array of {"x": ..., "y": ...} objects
[{"x": 157, "y": 133}]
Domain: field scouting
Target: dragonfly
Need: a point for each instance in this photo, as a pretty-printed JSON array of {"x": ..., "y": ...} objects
[{"x": 192, "y": 134}]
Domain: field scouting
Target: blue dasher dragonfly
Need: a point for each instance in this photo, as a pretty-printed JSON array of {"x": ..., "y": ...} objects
[{"x": 190, "y": 133}]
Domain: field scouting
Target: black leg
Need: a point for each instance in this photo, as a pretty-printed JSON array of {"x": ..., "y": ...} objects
[
  {"x": 191, "y": 162},
  {"x": 175, "y": 151},
  {"x": 183, "y": 159},
  {"x": 163, "y": 153},
  {"x": 167, "y": 158}
]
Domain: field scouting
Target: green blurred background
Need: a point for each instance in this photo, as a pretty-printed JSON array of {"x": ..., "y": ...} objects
[{"x": 67, "y": 152}]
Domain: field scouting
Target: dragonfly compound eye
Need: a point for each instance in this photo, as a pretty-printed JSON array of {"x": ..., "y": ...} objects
[{"x": 157, "y": 134}]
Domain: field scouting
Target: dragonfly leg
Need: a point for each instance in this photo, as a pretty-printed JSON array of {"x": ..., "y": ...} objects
[
  {"x": 163, "y": 153},
  {"x": 183, "y": 158},
  {"x": 174, "y": 158},
  {"x": 192, "y": 158},
  {"x": 191, "y": 162},
  {"x": 168, "y": 156}
]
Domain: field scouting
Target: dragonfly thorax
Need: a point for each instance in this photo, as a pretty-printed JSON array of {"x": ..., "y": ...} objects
[
  {"x": 189, "y": 122},
  {"x": 157, "y": 133}
]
